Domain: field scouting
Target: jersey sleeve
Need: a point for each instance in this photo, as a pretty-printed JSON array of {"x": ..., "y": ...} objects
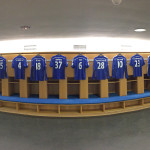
[
  {"x": 87, "y": 63},
  {"x": 66, "y": 62},
  {"x": 25, "y": 63},
  {"x": 148, "y": 67},
  {"x": 143, "y": 63},
  {"x": 94, "y": 69},
  {"x": 113, "y": 68},
  {"x": 32, "y": 70},
  {"x": 107, "y": 69},
  {"x": 13, "y": 63},
  {"x": 5, "y": 69},
  {"x": 73, "y": 63},
  {"x": 52, "y": 62},
  {"x": 45, "y": 69},
  {"x": 131, "y": 62},
  {"x": 125, "y": 68}
]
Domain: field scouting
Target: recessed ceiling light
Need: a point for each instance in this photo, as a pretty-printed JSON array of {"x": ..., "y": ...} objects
[
  {"x": 25, "y": 27},
  {"x": 140, "y": 30},
  {"x": 116, "y": 2}
]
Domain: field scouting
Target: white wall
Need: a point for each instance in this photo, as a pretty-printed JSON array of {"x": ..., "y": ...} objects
[{"x": 101, "y": 44}]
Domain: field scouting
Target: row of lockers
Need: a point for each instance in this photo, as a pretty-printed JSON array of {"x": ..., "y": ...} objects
[{"x": 73, "y": 86}]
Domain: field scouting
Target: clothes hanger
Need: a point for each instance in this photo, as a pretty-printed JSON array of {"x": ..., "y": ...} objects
[
  {"x": 19, "y": 55},
  {"x": 101, "y": 54},
  {"x": 0, "y": 55},
  {"x": 38, "y": 54},
  {"x": 80, "y": 54},
  {"x": 58, "y": 54},
  {"x": 119, "y": 54}
]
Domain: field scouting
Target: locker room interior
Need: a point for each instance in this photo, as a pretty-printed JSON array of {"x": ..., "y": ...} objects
[{"x": 74, "y": 74}]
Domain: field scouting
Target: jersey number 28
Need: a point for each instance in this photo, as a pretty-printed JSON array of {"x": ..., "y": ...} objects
[{"x": 100, "y": 65}]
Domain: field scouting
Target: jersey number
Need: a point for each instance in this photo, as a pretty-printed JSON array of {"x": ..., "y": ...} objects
[
  {"x": 120, "y": 64},
  {"x": 80, "y": 65},
  {"x": 100, "y": 65},
  {"x": 137, "y": 63},
  {"x": 1, "y": 65},
  {"x": 19, "y": 65},
  {"x": 58, "y": 64},
  {"x": 38, "y": 66}
]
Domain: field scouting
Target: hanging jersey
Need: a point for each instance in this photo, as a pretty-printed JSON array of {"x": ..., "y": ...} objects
[
  {"x": 19, "y": 64},
  {"x": 100, "y": 68},
  {"x": 58, "y": 63},
  {"x": 119, "y": 67},
  {"x": 38, "y": 69},
  {"x": 80, "y": 63},
  {"x": 137, "y": 62},
  {"x": 148, "y": 67},
  {"x": 3, "y": 68}
]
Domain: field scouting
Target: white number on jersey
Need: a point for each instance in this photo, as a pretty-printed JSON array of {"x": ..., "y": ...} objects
[
  {"x": 137, "y": 63},
  {"x": 100, "y": 65},
  {"x": 58, "y": 64},
  {"x": 38, "y": 66},
  {"x": 120, "y": 64},
  {"x": 80, "y": 65},
  {"x": 19, "y": 65},
  {"x": 1, "y": 65}
]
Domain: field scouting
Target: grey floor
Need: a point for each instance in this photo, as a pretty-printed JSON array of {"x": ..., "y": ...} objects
[{"x": 130, "y": 131}]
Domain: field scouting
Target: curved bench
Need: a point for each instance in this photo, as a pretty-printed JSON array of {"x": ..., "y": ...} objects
[{"x": 74, "y": 107}]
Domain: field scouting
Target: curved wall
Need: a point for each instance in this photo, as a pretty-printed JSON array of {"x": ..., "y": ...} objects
[{"x": 93, "y": 44}]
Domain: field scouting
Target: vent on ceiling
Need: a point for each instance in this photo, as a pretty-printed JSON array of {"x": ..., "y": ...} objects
[
  {"x": 79, "y": 47},
  {"x": 126, "y": 46},
  {"x": 30, "y": 47}
]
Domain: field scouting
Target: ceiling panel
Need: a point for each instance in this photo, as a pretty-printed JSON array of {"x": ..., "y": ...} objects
[{"x": 73, "y": 18}]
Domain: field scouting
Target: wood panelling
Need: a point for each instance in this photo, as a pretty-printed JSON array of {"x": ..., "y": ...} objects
[
  {"x": 63, "y": 93},
  {"x": 104, "y": 88},
  {"x": 84, "y": 88},
  {"x": 0, "y": 86},
  {"x": 79, "y": 110},
  {"x": 69, "y": 86}
]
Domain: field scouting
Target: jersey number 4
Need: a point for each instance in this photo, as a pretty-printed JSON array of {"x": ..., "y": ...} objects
[{"x": 19, "y": 65}]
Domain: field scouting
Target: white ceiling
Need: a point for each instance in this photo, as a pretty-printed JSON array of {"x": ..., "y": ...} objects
[{"x": 73, "y": 18}]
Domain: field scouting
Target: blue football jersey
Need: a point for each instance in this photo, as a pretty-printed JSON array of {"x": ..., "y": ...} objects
[
  {"x": 119, "y": 67},
  {"x": 137, "y": 62},
  {"x": 148, "y": 67},
  {"x": 58, "y": 63},
  {"x": 80, "y": 63},
  {"x": 3, "y": 68},
  {"x": 38, "y": 69},
  {"x": 19, "y": 64},
  {"x": 100, "y": 68}
]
